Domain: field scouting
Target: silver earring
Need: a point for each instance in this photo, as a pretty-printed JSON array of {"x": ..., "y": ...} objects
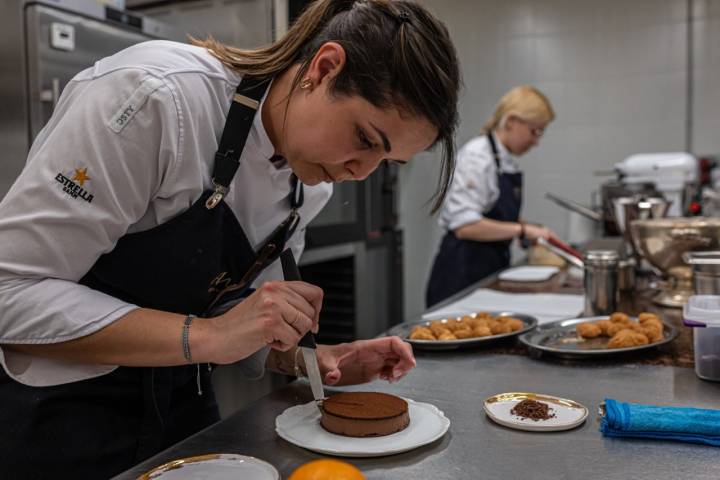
[{"x": 305, "y": 83}]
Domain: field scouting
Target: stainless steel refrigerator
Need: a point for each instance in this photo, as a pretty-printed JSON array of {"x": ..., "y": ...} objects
[{"x": 43, "y": 44}]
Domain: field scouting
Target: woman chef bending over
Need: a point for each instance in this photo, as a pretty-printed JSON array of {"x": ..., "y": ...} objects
[
  {"x": 167, "y": 178},
  {"x": 481, "y": 214}
]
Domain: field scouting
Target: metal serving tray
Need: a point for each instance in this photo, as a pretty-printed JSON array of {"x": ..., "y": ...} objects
[
  {"x": 403, "y": 330},
  {"x": 559, "y": 338}
]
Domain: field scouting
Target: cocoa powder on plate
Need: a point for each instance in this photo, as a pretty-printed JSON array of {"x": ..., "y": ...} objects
[{"x": 533, "y": 410}]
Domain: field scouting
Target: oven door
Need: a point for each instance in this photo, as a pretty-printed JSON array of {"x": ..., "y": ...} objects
[
  {"x": 59, "y": 45},
  {"x": 357, "y": 211}
]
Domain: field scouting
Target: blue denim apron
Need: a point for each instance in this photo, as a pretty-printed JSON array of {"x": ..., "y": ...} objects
[{"x": 460, "y": 263}]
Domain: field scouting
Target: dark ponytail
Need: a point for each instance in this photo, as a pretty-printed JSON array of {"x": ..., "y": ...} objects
[{"x": 397, "y": 55}]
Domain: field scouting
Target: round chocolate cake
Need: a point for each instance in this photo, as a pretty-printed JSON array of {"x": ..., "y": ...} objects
[{"x": 364, "y": 414}]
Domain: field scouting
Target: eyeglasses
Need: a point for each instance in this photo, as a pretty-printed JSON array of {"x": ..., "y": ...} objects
[{"x": 536, "y": 132}]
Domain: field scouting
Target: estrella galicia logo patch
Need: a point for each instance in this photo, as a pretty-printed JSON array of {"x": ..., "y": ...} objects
[{"x": 74, "y": 184}]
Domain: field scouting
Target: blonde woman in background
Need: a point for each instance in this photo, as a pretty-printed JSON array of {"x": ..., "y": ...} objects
[{"x": 481, "y": 213}]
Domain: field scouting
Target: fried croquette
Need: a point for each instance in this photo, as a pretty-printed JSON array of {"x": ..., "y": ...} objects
[
  {"x": 454, "y": 325},
  {"x": 652, "y": 322},
  {"x": 653, "y": 330},
  {"x": 499, "y": 328},
  {"x": 447, "y": 335},
  {"x": 634, "y": 326},
  {"x": 515, "y": 324},
  {"x": 463, "y": 333},
  {"x": 588, "y": 330},
  {"x": 627, "y": 338},
  {"x": 422, "y": 333},
  {"x": 482, "y": 331},
  {"x": 437, "y": 327},
  {"x": 480, "y": 322},
  {"x": 604, "y": 325},
  {"x": 619, "y": 317},
  {"x": 645, "y": 316},
  {"x": 615, "y": 328}
]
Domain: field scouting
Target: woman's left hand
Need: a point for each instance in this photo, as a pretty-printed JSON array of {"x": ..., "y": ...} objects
[{"x": 362, "y": 361}]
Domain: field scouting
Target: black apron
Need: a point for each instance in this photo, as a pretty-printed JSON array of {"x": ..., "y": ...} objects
[
  {"x": 460, "y": 263},
  {"x": 97, "y": 428}
]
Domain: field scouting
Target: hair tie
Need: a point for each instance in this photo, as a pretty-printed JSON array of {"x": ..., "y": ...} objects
[{"x": 404, "y": 17}]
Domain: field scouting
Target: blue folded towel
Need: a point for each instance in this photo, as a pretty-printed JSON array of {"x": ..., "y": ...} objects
[{"x": 694, "y": 425}]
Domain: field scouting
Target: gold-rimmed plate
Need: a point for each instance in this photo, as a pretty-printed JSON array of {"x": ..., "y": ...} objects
[
  {"x": 404, "y": 330},
  {"x": 567, "y": 414},
  {"x": 218, "y": 466}
]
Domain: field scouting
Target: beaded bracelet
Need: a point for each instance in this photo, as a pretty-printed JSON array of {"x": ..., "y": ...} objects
[{"x": 186, "y": 337}]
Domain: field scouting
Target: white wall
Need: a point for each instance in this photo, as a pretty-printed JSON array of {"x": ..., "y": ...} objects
[
  {"x": 616, "y": 73},
  {"x": 706, "y": 77}
]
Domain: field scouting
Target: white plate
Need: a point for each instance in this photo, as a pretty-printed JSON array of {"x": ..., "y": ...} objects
[
  {"x": 301, "y": 425},
  {"x": 528, "y": 273},
  {"x": 220, "y": 466},
  {"x": 568, "y": 413}
]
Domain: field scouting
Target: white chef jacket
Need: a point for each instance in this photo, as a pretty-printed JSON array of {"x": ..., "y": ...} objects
[
  {"x": 474, "y": 189},
  {"x": 130, "y": 145}
]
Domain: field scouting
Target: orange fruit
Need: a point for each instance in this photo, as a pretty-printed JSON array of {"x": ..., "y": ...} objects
[{"x": 326, "y": 469}]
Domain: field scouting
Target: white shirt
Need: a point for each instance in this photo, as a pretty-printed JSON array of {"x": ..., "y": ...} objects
[
  {"x": 137, "y": 134},
  {"x": 474, "y": 189}
]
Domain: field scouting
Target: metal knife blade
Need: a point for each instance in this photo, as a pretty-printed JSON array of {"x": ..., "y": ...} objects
[
  {"x": 313, "y": 372},
  {"x": 307, "y": 342}
]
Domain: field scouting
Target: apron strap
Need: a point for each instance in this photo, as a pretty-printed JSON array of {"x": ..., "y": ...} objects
[
  {"x": 245, "y": 104},
  {"x": 494, "y": 149},
  {"x": 297, "y": 195}
]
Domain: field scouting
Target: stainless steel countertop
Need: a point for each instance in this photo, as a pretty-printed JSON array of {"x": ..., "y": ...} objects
[{"x": 475, "y": 447}]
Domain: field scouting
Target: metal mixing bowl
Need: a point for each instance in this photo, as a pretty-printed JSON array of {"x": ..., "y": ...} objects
[
  {"x": 663, "y": 241},
  {"x": 628, "y": 209}
]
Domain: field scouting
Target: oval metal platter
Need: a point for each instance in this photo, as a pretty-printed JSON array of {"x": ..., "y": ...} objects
[
  {"x": 403, "y": 330},
  {"x": 559, "y": 338}
]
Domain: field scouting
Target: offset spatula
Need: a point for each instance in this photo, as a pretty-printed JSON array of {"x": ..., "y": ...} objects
[{"x": 307, "y": 342}]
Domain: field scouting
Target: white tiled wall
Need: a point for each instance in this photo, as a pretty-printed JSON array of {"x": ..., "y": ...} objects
[{"x": 616, "y": 73}]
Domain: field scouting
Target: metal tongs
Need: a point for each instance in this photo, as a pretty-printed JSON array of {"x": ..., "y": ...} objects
[{"x": 563, "y": 250}]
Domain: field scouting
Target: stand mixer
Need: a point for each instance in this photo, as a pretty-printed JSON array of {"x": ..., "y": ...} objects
[{"x": 674, "y": 175}]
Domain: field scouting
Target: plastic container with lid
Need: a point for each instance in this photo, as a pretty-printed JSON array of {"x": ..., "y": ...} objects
[{"x": 702, "y": 312}]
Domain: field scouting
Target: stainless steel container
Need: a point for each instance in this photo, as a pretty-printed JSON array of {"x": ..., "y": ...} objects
[
  {"x": 626, "y": 274},
  {"x": 601, "y": 282},
  {"x": 706, "y": 271}
]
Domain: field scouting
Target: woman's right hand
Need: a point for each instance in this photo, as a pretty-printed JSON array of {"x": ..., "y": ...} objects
[
  {"x": 533, "y": 232},
  {"x": 277, "y": 314}
]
